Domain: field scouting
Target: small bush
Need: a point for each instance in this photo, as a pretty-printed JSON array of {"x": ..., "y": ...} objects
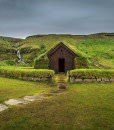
[
  {"x": 10, "y": 62},
  {"x": 7, "y": 63},
  {"x": 41, "y": 62},
  {"x": 79, "y": 64},
  {"x": 91, "y": 73},
  {"x": 28, "y": 74}
]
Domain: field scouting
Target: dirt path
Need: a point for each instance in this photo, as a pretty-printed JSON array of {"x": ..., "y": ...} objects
[{"x": 61, "y": 81}]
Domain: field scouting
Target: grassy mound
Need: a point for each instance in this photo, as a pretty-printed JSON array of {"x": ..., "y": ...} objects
[
  {"x": 27, "y": 73},
  {"x": 42, "y": 62},
  {"x": 92, "y": 73}
]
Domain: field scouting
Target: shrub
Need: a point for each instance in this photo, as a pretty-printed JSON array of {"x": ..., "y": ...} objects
[
  {"x": 41, "y": 62},
  {"x": 29, "y": 74},
  {"x": 7, "y": 63},
  {"x": 79, "y": 64},
  {"x": 10, "y": 62},
  {"x": 91, "y": 73}
]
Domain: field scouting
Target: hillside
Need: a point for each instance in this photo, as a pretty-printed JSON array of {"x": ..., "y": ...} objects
[
  {"x": 8, "y": 49},
  {"x": 99, "y": 48}
]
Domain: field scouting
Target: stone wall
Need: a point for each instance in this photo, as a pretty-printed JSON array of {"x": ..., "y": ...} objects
[
  {"x": 100, "y": 80},
  {"x": 50, "y": 78},
  {"x": 37, "y": 79}
]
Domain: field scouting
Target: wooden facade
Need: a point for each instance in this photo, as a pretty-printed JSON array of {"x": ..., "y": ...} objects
[{"x": 61, "y": 58}]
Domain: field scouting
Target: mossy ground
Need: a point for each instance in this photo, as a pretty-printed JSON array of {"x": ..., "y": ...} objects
[{"x": 81, "y": 107}]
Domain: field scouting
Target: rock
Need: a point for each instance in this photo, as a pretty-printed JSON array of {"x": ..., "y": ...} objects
[
  {"x": 72, "y": 79},
  {"x": 105, "y": 80},
  {"x": 78, "y": 80},
  {"x": 3, "y": 107},
  {"x": 34, "y": 98},
  {"x": 99, "y": 80},
  {"x": 15, "y": 102},
  {"x": 58, "y": 92},
  {"x": 48, "y": 95},
  {"x": 94, "y": 80},
  {"x": 29, "y": 98},
  {"x": 62, "y": 86},
  {"x": 88, "y": 80},
  {"x": 112, "y": 79}
]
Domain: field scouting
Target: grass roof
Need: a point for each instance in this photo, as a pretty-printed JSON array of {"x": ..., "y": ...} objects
[{"x": 72, "y": 48}]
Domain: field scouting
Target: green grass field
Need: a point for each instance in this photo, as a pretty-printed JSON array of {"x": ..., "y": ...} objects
[
  {"x": 12, "y": 88},
  {"x": 81, "y": 107}
]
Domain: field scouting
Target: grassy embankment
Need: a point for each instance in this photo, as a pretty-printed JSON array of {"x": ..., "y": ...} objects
[
  {"x": 26, "y": 73},
  {"x": 92, "y": 73}
]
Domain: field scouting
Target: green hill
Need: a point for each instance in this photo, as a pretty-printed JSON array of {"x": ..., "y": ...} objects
[
  {"x": 99, "y": 48},
  {"x": 8, "y": 49}
]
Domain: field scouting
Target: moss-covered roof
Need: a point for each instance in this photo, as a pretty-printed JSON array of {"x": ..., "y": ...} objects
[{"x": 74, "y": 50}]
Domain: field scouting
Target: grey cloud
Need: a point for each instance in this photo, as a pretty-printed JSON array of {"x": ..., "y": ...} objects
[{"x": 23, "y": 17}]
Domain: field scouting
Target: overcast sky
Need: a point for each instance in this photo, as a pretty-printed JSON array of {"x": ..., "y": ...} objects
[{"x": 20, "y": 18}]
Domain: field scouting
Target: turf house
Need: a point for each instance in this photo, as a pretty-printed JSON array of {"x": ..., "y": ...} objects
[{"x": 61, "y": 58}]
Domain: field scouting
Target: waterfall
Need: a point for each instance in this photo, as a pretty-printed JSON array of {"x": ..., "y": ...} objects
[{"x": 20, "y": 59}]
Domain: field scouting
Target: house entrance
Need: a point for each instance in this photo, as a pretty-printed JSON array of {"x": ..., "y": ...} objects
[{"x": 61, "y": 65}]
